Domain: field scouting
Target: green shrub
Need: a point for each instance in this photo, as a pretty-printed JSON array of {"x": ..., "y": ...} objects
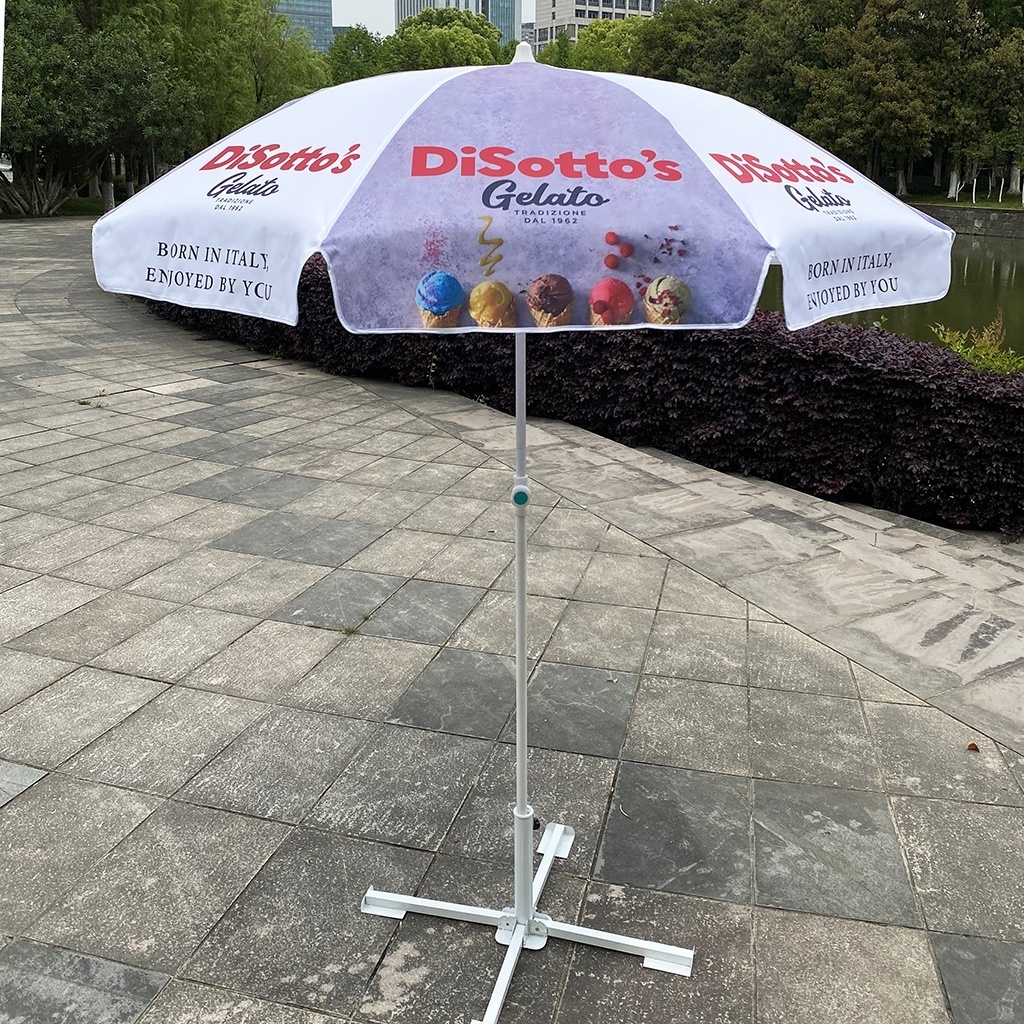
[{"x": 984, "y": 349}]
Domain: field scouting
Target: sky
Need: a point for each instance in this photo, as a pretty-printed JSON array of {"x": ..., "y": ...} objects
[{"x": 379, "y": 15}]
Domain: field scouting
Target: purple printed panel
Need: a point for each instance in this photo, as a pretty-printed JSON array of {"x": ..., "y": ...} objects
[{"x": 510, "y": 173}]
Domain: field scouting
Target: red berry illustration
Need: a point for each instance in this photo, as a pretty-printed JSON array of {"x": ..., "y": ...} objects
[
  {"x": 611, "y": 238},
  {"x": 611, "y": 261},
  {"x": 626, "y": 250}
]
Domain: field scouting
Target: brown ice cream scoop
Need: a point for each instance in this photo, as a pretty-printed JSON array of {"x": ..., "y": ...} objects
[{"x": 549, "y": 299}]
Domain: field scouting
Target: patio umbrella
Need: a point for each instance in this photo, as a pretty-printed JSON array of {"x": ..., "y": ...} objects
[{"x": 520, "y": 199}]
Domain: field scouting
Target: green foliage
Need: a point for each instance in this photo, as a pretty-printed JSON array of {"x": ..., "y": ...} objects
[
  {"x": 355, "y": 54},
  {"x": 984, "y": 348},
  {"x": 558, "y": 54},
  {"x": 149, "y": 80}
]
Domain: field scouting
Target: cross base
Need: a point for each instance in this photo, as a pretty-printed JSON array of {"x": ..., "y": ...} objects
[{"x": 535, "y": 930}]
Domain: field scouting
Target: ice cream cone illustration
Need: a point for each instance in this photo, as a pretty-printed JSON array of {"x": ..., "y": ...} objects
[
  {"x": 439, "y": 297},
  {"x": 549, "y": 299},
  {"x": 611, "y": 302},
  {"x": 491, "y": 304},
  {"x": 667, "y": 300}
]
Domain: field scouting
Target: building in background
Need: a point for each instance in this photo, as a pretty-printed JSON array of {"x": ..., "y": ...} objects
[
  {"x": 527, "y": 36},
  {"x": 316, "y": 16},
  {"x": 569, "y": 16}
]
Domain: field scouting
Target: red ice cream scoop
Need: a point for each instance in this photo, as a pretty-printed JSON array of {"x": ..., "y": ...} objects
[{"x": 611, "y": 302}]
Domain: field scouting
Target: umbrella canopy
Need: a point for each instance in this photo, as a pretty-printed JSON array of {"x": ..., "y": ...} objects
[{"x": 574, "y": 198}]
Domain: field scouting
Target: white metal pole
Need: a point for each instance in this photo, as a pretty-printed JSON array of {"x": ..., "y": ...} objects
[
  {"x": 523, "y": 812},
  {"x": 2, "y": 5}
]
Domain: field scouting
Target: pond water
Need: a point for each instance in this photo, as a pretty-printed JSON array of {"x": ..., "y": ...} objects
[{"x": 988, "y": 275}]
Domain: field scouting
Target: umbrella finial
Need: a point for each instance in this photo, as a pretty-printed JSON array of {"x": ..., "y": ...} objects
[{"x": 523, "y": 54}]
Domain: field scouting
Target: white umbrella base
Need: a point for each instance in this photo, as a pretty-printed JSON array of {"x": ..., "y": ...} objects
[{"x": 534, "y": 932}]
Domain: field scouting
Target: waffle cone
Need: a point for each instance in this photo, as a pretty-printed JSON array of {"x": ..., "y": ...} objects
[
  {"x": 450, "y": 318},
  {"x": 562, "y": 319},
  {"x": 507, "y": 319},
  {"x": 598, "y": 320},
  {"x": 657, "y": 316}
]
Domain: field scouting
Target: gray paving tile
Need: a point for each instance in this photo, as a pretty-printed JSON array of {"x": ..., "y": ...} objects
[
  {"x": 43, "y": 985},
  {"x": 399, "y": 552},
  {"x": 58, "y": 550},
  {"x": 263, "y": 587},
  {"x": 95, "y": 627},
  {"x": 206, "y": 858},
  {"x": 362, "y": 677},
  {"x": 281, "y": 766},
  {"x": 490, "y": 626},
  {"x": 583, "y": 710},
  {"x": 437, "y": 970},
  {"x": 629, "y": 580},
  {"x": 948, "y": 842},
  {"x": 39, "y": 600},
  {"x": 983, "y": 979},
  {"x": 423, "y": 611},
  {"x": 22, "y": 674},
  {"x": 991, "y": 702},
  {"x": 296, "y": 934},
  {"x": 707, "y": 647},
  {"x": 208, "y": 523},
  {"x": 924, "y": 752},
  {"x": 193, "y": 574},
  {"x": 56, "y": 722},
  {"x": 301, "y": 539},
  {"x": 573, "y": 789},
  {"x": 163, "y": 744},
  {"x": 390, "y": 506},
  {"x": 52, "y": 834},
  {"x": 872, "y": 686},
  {"x": 783, "y": 658},
  {"x": 830, "y": 851},
  {"x": 176, "y": 644},
  {"x": 183, "y": 1002},
  {"x": 341, "y": 600},
  {"x": 601, "y": 636},
  {"x": 550, "y": 572},
  {"x": 607, "y": 987},
  {"x": 470, "y": 561},
  {"x": 443, "y": 514},
  {"x": 15, "y": 779},
  {"x": 810, "y": 738},
  {"x": 570, "y": 528},
  {"x": 266, "y": 662},
  {"x": 464, "y": 692},
  {"x": 825, "y": 968},
  {"x": 678, "y": 831},
  {"x": 685, "y": 723},
  {"x": 405, "y": 786},
  {"x": 121, "y": 563}
]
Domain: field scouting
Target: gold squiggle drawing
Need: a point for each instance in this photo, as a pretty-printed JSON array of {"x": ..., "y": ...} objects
[{"x": 492, "y": 257}]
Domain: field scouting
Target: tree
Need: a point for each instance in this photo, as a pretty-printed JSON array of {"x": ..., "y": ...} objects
[
  {"x": 557, "y": 54},
  {"x": 442, "y": 38},
  {"x": 52, "y": 127},
  {"x": 355, "y": 54},
  {"x": 607, "y": 46}
]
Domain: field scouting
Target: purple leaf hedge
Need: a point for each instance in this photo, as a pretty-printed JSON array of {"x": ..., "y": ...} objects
[{"x": 841, "y": 412}]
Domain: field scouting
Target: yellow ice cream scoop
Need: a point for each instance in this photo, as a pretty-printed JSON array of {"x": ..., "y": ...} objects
[{"x": 491, "y": 304}]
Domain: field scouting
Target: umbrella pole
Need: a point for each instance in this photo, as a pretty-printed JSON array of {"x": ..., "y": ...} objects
[
  {"x": 521, "y": 927},
  {"x": 523, "y": 812}
]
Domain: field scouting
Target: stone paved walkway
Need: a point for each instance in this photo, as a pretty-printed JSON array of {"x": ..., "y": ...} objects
[{"x": 256, "y": 628}]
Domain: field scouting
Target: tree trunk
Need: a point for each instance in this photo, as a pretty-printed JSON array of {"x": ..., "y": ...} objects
[
  {"x": 94, "y": 186},
  {"x": 954, "y": 181},
  {"x": 106, "y": 185},
  {"x": 1014, "y": 189},
  {"x": 937, "y": 169},
  {"x": 901, "y": 181}
]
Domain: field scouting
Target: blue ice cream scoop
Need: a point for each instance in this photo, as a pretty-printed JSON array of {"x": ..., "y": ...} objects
[{"x": 439, "y": 292}]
